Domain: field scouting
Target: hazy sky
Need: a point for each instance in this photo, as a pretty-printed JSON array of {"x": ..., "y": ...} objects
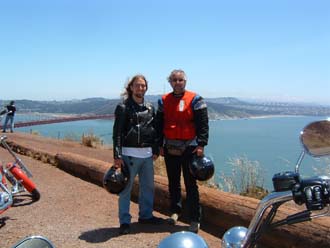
[{"x": 73, "y": 49}]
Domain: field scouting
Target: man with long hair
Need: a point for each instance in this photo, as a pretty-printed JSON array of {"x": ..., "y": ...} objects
[{"x": 135, "y": 146}]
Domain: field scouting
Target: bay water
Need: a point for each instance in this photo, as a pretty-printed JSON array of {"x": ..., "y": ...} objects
[{"x": 272, "y": 142}]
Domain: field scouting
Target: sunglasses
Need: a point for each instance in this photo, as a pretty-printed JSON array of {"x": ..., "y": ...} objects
[{"x": 177, "y": 80}]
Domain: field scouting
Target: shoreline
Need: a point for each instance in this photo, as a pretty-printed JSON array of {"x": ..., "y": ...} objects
[
  {"x": 262, "y": 117},
  {"x": 210, "y": 118}
]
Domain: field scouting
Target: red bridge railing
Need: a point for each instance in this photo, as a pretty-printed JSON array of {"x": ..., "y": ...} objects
[{"x": 63, "y": 119}]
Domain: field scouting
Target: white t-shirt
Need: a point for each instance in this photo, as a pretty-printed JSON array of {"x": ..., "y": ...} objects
[{"x": 137, "y": 152}]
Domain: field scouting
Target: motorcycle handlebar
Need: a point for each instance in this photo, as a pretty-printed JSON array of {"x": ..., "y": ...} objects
[
  {"x": 2, "y": 138},
  {"x": 313, "y": 192},
  {"x": 17, "y": 159}
]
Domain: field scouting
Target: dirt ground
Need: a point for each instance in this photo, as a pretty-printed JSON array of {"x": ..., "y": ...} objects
[{"x": 73, "y": 212}]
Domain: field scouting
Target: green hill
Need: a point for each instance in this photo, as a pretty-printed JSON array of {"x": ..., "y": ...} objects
[{"x": 219, "y": 108}]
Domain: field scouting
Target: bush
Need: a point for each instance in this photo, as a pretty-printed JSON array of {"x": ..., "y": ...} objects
[
  {"x": 247, "y": 178},
  {"x": 90, "y": 140}
]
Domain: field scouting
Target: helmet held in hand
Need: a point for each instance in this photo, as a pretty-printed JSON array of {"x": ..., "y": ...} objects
[
  {"x": 202, "y": 168},
  {"x": 115, "y": 179}
]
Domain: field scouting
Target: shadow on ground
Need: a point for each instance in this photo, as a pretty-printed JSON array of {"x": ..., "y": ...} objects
[
  {"x": 3, "y": 221},
  {"x": 105, "y": 234},
  {"x": 22, "y": 200}
]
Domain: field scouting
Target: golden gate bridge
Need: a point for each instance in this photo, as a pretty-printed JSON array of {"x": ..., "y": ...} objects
[{"x": 61, "y": 119}]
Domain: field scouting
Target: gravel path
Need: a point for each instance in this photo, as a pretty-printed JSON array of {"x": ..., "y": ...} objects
[{"x": 75, "y": 213}]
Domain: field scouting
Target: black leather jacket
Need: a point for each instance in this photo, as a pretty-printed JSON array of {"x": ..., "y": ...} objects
[
  {"x": 11, "y": 109},
  {"x": 134, "y": 127}
]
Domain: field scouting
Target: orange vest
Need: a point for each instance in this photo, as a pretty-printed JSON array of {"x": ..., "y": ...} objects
[{"x": 179, "y": 116}]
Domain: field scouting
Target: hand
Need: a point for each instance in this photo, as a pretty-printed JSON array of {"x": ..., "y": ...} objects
[
  {"x": 154, "y": 157},
  {"x": 161, "y": 151},
  {"x": 118, "y": 163},
  {"x": 199, "y": 150}
]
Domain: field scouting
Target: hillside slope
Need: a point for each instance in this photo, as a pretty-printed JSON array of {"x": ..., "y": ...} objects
[{"x": 223, "y": 107}]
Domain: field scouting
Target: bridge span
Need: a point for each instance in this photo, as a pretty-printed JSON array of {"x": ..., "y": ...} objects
[{"x": 62, "y": 119}]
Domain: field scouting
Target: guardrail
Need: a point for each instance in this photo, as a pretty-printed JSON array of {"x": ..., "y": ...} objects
[{"x": 63, "y": 119}]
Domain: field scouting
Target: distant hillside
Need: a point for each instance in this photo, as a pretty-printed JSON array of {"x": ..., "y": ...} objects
[
  {"x": 219, "y": 108},
  {"x": 233, "y": 107},
  {"x": 84, "y": 106}
]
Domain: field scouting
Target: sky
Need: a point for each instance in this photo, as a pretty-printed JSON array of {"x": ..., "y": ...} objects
[{"x": 75, "y": 49}]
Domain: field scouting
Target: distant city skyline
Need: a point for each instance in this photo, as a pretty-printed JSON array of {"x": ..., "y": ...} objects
[{"x": 63, "y": 50}]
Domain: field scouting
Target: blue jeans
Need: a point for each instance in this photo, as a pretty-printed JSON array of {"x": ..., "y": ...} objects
[
  {"x": 9, "y": 118},
  {"x": 145, "y": 169}
]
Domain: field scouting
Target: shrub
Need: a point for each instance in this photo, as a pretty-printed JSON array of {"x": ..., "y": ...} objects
[
  {"x": 90, "y": 140},
  {"x": 247, "y": 178}
]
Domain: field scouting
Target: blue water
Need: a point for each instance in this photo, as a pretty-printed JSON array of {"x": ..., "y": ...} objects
[{"x": 273, "y": 142}]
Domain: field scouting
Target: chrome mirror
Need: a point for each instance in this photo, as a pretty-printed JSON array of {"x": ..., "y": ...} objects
[{"x": 315, "y": 138}]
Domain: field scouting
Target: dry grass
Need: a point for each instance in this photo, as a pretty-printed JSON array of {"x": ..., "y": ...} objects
[
  {"x": 247, "y": 178},
  {"x": 160, "y": 169},
  {"x": 91, "y": 140},
  {"x": 159, "y": 166},
  {"x": 34, "y": 132},
  {"x": 71, "y": 137},
  {"x": 325, "y": 169}
]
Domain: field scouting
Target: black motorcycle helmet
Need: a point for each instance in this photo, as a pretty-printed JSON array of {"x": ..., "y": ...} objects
[
  {"x": 202, "y": 168},
  {"x": 115, "y": 179}
]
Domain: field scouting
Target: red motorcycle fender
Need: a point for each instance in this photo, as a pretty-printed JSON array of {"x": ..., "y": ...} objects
[{"x": 22, "y": 177}]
